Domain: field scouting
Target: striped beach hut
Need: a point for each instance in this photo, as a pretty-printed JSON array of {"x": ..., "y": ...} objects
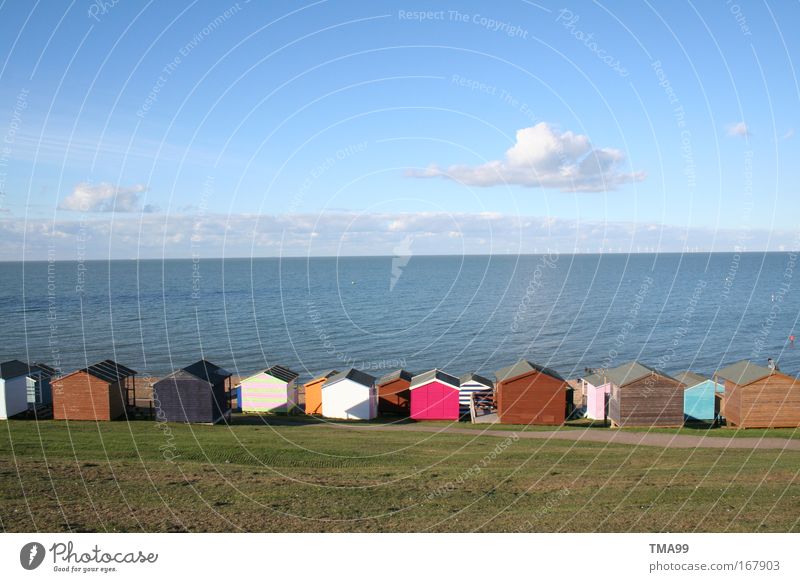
[
  {"x": 13, "y": 388},
  {"x": 313, "y": 392},
  {"x": 195, "y": 394},
  {"x": 434, "y": 396},
  {"x": 700, "y": 397},
  {"x": 470, "y": 384},
  {"x": 350, "y": 395},
  {"x": 270, "y": 390}
]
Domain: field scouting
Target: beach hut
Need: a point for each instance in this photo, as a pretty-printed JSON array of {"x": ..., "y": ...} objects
[
  {"x": 470, "y": 384},
  {"x": 350, "y": 395},
  {"x": 597, "y": 391},
  {"x": 700, "y": 396},
  {"x": 102, "y": 391},
  {"x": 643, "y": 396},
  {"x": 759, "y": 397},
  {"x": 13, "y": 388},
  {"x": 197, "y": 394},
  {"x": 39, "y": 392},
  {"x": 313, "y": 392},
  {"x": 270, "y": 390},
  {"x": 393, "y": 393},
  {"x": 434, "y": 396},
  {"x": 528, "y": 393}
]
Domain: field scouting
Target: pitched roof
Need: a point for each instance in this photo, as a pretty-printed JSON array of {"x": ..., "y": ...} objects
[
  {"x": 204, "y": 370},
  {"x": 744, "y": 372},
  {"x": 470, "y": 377},
  {"x": 109, "y": 371},
  {"x": 630, "y": 372},
  {"x": 431, "y": 375},
  {"x": 689, "y": 378},
  {"x": 324, "y": 375},
  {"x": 354, "y": 375},
  {"x": 282, "y": 373},
  {"x": 595, "y": 379},
  {"x": 45, "y": 369},
  {"x": 523, "y": 367},
  {"x": 396, "y": 375},
  {"x": 14, "y": 369}
]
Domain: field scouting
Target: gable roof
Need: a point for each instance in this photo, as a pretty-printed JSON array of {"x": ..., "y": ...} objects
[
  {"x": 744, "y": 372},
  {"x": 471, "y": 377},
  {"x": 432, "y": 375},
  {"x": 352, "y": 374},
  {"x": 323, "y": 375},
  {"x": 282, "y": 373},
  {"x": 595, "y": 378},
  {"x": 14, "y": 369},
  {"x": 109, "y": 371},
  {"x": 46, "y": 370},
  {"x": 204, "y": 370},
  {"x": 523, "y": 367},
  {"x": 689, "y": 378},
  {"x": 630, "y": 372},
  {"x": 396, "y": 375}
]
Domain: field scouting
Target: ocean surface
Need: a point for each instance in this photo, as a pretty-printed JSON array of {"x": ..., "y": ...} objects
[{"x": 473, "y": 313}]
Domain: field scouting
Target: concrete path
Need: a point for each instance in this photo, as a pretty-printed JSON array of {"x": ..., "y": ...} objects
[{"x": 610, "y": 436}]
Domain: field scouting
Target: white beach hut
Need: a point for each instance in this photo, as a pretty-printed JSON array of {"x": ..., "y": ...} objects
[
  {"x": 350, "y": 395},
  {"x": 13, "y": 388}
]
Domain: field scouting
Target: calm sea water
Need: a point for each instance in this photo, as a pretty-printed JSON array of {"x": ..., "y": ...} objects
[{"x": 475, "y": 313}]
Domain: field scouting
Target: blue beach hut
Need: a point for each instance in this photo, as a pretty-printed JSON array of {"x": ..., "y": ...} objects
[{"x": 700, "y": 400}]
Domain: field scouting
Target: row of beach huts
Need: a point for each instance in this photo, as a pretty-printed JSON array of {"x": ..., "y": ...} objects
[{"x": 744, "y": 395}]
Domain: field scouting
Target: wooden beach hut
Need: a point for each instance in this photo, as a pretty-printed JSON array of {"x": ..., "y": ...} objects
[
  {"x": 434, "y": 396},
  {"x": 198, "y": 393},
  {"x": 643, "y": 396},
  {"x": 528, "y": 393},
  {"x": 759, "y": 397},
  {"x": 470, "y": 384},
  {"x": 102, "y": 391},
  {"x": 700, "y": 397},
  {"x": 597, "y": 392},
  {"x": 394, "y": 396},
  {"x": 271, "y": 390},
  {"x": 13, "y": 388},
  {"x": 313, "y": 392},
  {"x": 350, "y": 395}
]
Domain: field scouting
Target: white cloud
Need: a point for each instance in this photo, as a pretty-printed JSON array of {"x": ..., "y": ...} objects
[
  {"x": 789, "y": 133},
  {"x": 543, "y": 157},
  {"x": 738, "y": 130},
  {"x": 351, "y": 233},
  {"x": 105, "y": 197}
]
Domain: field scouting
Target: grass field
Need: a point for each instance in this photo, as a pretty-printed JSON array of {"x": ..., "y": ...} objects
[{"x": 283, "y": 476}]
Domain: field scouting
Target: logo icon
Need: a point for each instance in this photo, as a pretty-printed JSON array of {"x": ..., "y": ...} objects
[
  {"x": 401, "y": 257},
  {"x": 31, "y": 555}
]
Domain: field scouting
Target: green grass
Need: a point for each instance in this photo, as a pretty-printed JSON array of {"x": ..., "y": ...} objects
[{"x": 300, "y": 475}]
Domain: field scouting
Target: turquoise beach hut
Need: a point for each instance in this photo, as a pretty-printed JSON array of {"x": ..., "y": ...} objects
[{"x": 700, "y": 400}]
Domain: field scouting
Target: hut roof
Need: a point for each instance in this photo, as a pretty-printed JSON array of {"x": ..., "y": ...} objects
[
  {"x": 471, "y": 377},
  {"x": 630, "y": 372},
  {"x": 434, "y": 374},
  {"x": 396, "y": 375},
  {"x": 204, "y": 370},
  {"x": 689, "y": 378},
  {"x": 14, "y": 369},
  {"x": 327, "y": 374},
  {"x": 282, "y": 373},
  {"x": 354, "y": 375},
  {"x": 595, "y": 379},
  {"x": 524, "y": 367},
  {"x": 109, "y": 371},
  {"x": 45, "y": 369},
  {"x": 744, "y": 372}
]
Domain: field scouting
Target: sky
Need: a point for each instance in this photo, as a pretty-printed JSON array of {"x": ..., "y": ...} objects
[{"x": 215, "y": 129}]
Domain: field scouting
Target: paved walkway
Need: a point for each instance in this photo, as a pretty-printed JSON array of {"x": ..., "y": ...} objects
[{"x": 610, "y": 436}]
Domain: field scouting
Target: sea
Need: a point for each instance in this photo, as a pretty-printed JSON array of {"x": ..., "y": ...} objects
[{"x": 461, "y": 314}]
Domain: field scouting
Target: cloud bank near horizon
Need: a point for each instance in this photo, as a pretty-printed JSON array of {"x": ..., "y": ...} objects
[
  {"x": 543, "y": 157},
  {"x": 351, "y": 233}
]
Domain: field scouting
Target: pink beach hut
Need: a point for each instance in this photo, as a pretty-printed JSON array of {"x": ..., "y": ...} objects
[
  {"x": 434, "y": 396},
  {"x": 597, "y": 390}
]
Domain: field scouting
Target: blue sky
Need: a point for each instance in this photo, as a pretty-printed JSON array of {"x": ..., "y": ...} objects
[{"x": 285, "y": 128}]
